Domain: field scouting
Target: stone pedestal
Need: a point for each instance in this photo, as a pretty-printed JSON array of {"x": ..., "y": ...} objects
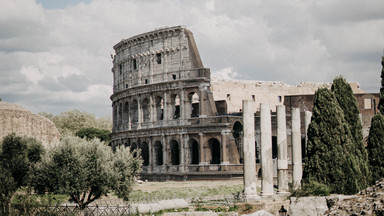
[
  {"x": 250, "y": 189},
  {"x": 266, "y": 150},
  {"x": 282, "y": 157},
  {"x": 297, "y": 169}
]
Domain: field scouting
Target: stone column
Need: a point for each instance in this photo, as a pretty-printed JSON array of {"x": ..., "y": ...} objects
[
  {"x": 266, "y": 150},
  {"x": 182, "y": 151},
  {"x": 224, "y": 150},
  {"x": 165, "y": 107},
  {"x": 201, "y": 149},
  {"x": 139, "y": 113},
  {"x": 250, "y": 189},
  {"x": 282, "y": 160},
  {"x": 150, "y": 151},
  {"x": 182, "y": 104},
  {"x": 165, "y": 151},
  {"x": 297, "y": 169}
]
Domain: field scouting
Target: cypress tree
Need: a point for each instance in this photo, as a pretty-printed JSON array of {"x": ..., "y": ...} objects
[
  {"x": 329, "y": 147},
  {"x": 348, "y": 103},
  {"x": 376, "y": 136}
]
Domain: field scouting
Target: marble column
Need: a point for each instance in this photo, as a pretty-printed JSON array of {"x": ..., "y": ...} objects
[
  {"x": 224, "y": 150},
  {"x": 282, "y": 156},
  {"x": 297, "y": 169},
  {"x": 266, "y": 150},
  {"x": 201, "y": 149},
  {"x": 182, "y": 155},
  {"x": 250, "y": 189}
]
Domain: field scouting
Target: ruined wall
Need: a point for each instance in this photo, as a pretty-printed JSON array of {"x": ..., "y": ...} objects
[
  {"x": 15, "y": 119},
  {"x": 234, "y": 91}
]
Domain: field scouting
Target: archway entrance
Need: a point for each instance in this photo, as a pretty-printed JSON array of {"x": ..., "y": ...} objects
[
  {"x": 194, "y": 151},
  {"x": 214, "y": 145},
  {"x": 158, "y": 150},
  {"x": 175, "y": 152}
]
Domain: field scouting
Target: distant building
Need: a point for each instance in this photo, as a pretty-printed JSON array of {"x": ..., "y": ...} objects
[{"x": 186, "y": 125}]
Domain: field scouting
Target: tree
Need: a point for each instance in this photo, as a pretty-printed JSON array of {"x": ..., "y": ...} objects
[
  {"x": 381, "y": 102},
  {"x": 348, "y": 103},
  {"x": 329, "y": 146},
  {"x": 86, "y": 170},
  {"x": 91, "y": 133},
  {"x": 18, "y": 157}
]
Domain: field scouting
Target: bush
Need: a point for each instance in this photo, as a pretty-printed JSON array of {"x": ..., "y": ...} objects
[{"x": 312, "y": 188}]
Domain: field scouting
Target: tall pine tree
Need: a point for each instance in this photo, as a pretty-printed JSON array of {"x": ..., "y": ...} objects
[
  {"x": 376, "y": 136},
  {"x": 348, "y": 103},
  {"x": 329, "y": 159}
]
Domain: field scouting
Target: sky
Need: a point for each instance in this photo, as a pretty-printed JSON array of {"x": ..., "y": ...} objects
[{"x": 55, "y": 54}]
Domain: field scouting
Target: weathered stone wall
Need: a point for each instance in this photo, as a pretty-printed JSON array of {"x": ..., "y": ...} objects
[
  {"x": 234, "y": 91},
  {"x": 15, "y": 119}
]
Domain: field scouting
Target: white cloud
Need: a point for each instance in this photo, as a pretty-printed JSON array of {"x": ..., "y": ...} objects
[{"x": 55, "y": 60}]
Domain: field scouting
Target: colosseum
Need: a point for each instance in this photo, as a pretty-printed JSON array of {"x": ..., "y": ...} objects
[{"x": 187, "y": 125}]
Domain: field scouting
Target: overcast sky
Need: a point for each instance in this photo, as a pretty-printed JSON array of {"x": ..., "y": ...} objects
[{"x": 55, "y": 54}]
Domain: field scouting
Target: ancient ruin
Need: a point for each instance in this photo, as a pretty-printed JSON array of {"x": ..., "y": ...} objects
[
  {"x": 15, "y": 119},
  {"x": 189, "y": 126}
]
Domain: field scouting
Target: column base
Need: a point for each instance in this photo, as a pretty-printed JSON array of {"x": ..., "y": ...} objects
[
  {"x": 203, "y": 163},
  {"x": 282, "y": 192},
  {"x": 224, "y": 163},
  {"x": 266, "y": 194},
  {"x": 251, "y": 197}
]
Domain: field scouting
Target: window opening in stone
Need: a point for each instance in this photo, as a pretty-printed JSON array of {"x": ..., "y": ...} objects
[
  {"x": 146, "y": 111},
  {"x": 126, "y": 113},
  {"x": 146, "y": 81},
  {"x": 274, "y": 147},
  {"x": 121, "y": 68},
  {"x": 253, "y": 97},
  {"x": 194, "y": 151},
  {"x": 134, "y": 112},
  {"x": 126, "y": 85},
  {"x": 158, "y": 58},
  {"x": 238, "y": 135},
  {"x": 229, "y": 97},
  {"x": 158, "y": 150},
  {"x": 145, "y": 153},
  {"x": 134, "y": 64},
  {"x": 175, "y": 153},
  {"x": 214, "y": 146},
  {"x": 279, "y": 98},
  {"x": 159, "y": 108},
  {"x": 193, "y": 100},
  {"x": 176, "y": 106},
  {"x": 174, "y": 76}
]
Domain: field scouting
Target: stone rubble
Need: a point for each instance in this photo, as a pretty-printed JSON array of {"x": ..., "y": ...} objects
[{"x": 368, "y": 202}]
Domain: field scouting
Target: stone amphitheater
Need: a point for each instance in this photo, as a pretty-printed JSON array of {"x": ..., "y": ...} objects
[{"x": 16, "y": 119}]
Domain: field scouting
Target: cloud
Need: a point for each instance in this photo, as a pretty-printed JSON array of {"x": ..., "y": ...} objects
[{"x": 57, "y": 58}]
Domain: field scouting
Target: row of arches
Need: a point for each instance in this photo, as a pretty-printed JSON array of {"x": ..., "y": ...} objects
[
  {"x": 174, "y": 151},
  {"x": 156, "y": 108}
]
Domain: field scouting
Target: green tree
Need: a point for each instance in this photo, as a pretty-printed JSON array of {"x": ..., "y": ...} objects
[
  {"x": 18, "y": 157},
  {"x": 329, "y": 146},
  {"x": 348, "y": 103},
  {"x": 91, "y": 133},
  {"x": 381, "y": 102},
  {"x": 86, "y": 170}
]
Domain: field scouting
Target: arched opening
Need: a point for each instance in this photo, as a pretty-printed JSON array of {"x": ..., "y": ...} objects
[
  {"x": 194, "y": 151},
  {"x": 159, "y": 108},
  {"x": 134, "y": 149},
  {"x": 214, "y": 145},
  {"x": 194, "y": 102},
  {"x": 126, "y": 113},
  {"x": 146, "y": 112},
  {"x": 158, "y": 151},
  {"x": 237, "y": 134},
  {"x": 175, "y": 101},
  {"x": 120, "y": 114},
  {"x": 175, "y": 152},
  {"x": 145, "y": 153},
  {"x": 134, "y": 112}
]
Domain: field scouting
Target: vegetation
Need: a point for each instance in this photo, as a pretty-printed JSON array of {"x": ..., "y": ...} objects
[
  {"x": 18, "y": 157},
  {"x": 86, "y": 170},
  {"x": 330, "y": 159},
  {"x": 348, "y": 103},
  {"x": 376, "y": 137},
  {"x": 70, "y": 122},
  {"x": 91, "y": 133}
]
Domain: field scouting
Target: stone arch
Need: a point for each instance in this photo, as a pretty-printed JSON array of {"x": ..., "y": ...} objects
[
  {"x": 158, "y": 153},
  {"x": 194, "y": 103},
  {"x": 175, "y": 152},
  {"x": 159, "y": 108},
  {"x": 126, "y": 112},
  {"x": 237, "y": 132},
  {"x": 194, "y": 151},
  {"x": 146, "y": 110},
  {"x": 214, "y": 146},
  {"x": 120, "y": 117},
  {"x": 144, "y": 153},
  {"x": 134, "y": 112},
  {"x": 175, "y": 104}
]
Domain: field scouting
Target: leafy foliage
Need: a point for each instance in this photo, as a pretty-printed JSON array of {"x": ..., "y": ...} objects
[
  {"x": 348, "y": 103},
  {"x": 86, "y": 170},
  {"x": 376, "y": 147},
  {"x": 91, "y": 133},
  {"x": 312, "y": 188},
  {"x": 329, "y": 145},
  {"x": 70, "y": 122},
  {"x": 18, "y": 157}
]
